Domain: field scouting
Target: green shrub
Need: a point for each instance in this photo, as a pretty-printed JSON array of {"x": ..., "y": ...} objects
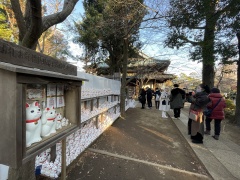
[
  {"x": 229, "y": 104},
  {"x": 229, "y": 110}
]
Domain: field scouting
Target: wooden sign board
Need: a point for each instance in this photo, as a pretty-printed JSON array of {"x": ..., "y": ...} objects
[{"x": 21, "y": 56}]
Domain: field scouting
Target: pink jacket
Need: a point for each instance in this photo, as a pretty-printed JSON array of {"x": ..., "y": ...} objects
[{"x": 218, "y": 112}]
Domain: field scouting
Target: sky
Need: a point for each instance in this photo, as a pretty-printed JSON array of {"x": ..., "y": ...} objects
[{"x": 153, "y": 47}]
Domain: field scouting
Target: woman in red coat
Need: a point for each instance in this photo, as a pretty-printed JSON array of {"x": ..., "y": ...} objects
[{"x": 217, "y": 113}]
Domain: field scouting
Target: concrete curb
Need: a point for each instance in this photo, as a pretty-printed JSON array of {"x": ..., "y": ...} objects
[{"x": 221, "y": 158}]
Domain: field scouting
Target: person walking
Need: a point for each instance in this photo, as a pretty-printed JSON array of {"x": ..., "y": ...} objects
[
  {"x": 217, "y": 106},
  {"x": 164, "y": 102},
  {"x": 157, "y": 95},
  {"x": 177, "y": 99},
  {"x": 149, "y": 97},
  {"x": 198, "y": 102},
  {"x": 142, "y": 97}
]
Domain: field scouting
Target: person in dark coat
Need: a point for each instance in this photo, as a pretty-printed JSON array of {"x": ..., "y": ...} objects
[
  {"x": 149, "y": 97},
  {"x": 142, "y": 97},
  {"x": 198, "y": 102},
  {"x": 157, "y": 95},
  {"x": 217, "y": 113},
  {"x": 177, "y": 99}
]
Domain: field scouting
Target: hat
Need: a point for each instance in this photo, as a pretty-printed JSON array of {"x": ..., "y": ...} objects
[
  {"x": 215, "y": 90},
  {"x": 205, "y": 87}
]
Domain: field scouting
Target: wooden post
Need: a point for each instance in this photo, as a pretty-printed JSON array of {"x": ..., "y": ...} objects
[
  {"x": 97, "y": 122},
  {"x": 97, "y": 102},
  {"x": 53, "y": 153},
  {"x": 64, "y": 165},
  {"x": 91, "y": 104}
]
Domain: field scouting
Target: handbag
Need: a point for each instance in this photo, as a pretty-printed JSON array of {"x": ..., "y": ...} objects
[
  {"x": 140, "y": 98},
  {"x": 193, "y": 115},
  {"x": 207, "y": 112},
  {"x": 163, "y": 102},
  {"x": 157, "y": 97}
]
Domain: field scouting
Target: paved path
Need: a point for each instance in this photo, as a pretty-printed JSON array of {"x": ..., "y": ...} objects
[
  {"x": 142, "y": 147},
  {"x": 221, "y": 158}
]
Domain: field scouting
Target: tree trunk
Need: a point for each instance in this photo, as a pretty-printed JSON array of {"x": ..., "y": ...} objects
[
  {"x": 34, "y": 31},
  {"x": 208, "y": 58},
  {"x": 26, "y": 171},
  {"x": 124, "y": 76},
  {"x": 208, "y": 75},
  {"x": 208, "y": 46},
  {"x": 237, "y": 110}
]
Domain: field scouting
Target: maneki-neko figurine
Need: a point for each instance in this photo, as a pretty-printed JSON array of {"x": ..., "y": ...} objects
[
  {"x": 48, "y": 121},
  {"x": 59, "y": 119},
  {"x": 33, "y": 123}
]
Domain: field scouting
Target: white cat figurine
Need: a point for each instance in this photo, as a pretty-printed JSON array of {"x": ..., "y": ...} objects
[
  {"x": 58, "y": 121},
  {"x": 48, "y": 121},
  {"x": 33, "y": 123},
  {"x": 63, "y": 122}
]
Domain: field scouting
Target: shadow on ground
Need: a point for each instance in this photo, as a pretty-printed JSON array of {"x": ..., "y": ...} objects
[{"x": 142, "y": 147}]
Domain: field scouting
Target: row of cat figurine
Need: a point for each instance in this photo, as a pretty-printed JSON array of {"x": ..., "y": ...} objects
[{"x": 41, "y": 123}]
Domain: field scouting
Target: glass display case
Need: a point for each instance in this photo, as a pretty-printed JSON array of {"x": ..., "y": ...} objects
[{"x": 38, "y": 109}]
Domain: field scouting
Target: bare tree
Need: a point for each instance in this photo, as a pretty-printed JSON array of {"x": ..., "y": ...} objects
[
  {"x": 32, "y": 24},
  {"x": 225, "y": 76}
]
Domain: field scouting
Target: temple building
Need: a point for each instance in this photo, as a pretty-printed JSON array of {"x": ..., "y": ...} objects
[{"x": 142, "y": 71}]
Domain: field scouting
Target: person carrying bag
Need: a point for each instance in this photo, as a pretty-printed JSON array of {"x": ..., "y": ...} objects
[
  {"x": 198, "y": 102},
  {"x": 164, "y": 102},
  {"x": 217, "y": 106}
]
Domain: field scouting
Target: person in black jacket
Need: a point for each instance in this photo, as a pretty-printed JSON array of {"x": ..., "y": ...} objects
[
  {"x": 177, "y": 99},
  {"x": 149, "y": 97},
  {"x": 142, "y": 97}
]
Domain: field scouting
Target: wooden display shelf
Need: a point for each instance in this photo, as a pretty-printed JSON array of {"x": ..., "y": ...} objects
[
  {"x": 13, "y": 82},
  {"x": 48, "y": 142}
]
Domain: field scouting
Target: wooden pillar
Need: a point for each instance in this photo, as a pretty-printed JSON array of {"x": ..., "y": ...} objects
[
  {"x": 64, "y": 163},
  {"x": 91, "y": 104},
  {"x": 53, "y": 153},
  {"x": 97, "y": 122}
]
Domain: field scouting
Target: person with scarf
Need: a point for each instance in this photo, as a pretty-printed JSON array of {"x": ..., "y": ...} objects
[
  {"x": 164, "y": 102},
  {"x": 198, "y": 103}
]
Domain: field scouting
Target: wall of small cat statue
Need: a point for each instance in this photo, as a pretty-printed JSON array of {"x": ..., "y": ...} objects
[
  {"x": 48, "y": 121},
  {"x": 33, "y": 123}
]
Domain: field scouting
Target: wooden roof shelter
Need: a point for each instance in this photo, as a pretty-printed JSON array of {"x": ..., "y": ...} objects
[{"x": 143, "y": 67}]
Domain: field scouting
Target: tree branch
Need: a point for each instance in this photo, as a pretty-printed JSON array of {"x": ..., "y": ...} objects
[
  {"x": 59, "y": 17},
  {"x": 34, "y": 30},
  {"x": 189, "y": 41},
  {"x": 19, "y": 18},
  {"x": 232, "y": 3}
]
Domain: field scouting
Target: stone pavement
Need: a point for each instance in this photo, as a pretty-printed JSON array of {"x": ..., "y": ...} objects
[
  {"x": 142, "y": 147},
  {"x": 221, "y": 158}
]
